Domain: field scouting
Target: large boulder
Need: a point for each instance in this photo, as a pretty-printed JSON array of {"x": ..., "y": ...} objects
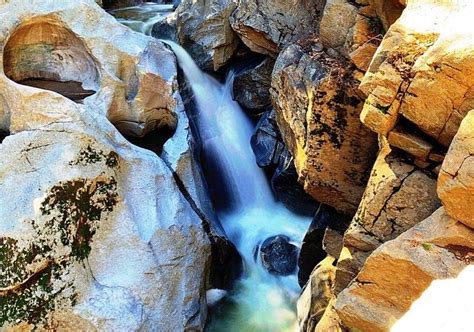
[
  {"x": 398, "y": 272},
  {"x": 204, "y": 30},
  {"x": 318, "y": 108},
  {"x": 267, "y": 27},
  {"x": 456, "y": 179},
  {"x": 278, "y": 255},
  {"x": 93, "y": 225},
  {"x": 423, "y": 70},
  {"x": 398, "y": 196}
]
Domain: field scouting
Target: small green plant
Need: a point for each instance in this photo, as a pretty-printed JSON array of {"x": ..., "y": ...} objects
[{"x": 427, "y": 246}]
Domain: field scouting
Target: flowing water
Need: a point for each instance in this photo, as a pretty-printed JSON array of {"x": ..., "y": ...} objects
[{"x": 261, "y": 301}]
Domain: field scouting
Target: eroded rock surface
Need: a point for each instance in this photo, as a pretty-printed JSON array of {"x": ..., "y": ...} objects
[
  {"x": 318, "y": 108},
  {"x": 204, "y": 30},
  {"x": 456, "y": 179},
  {"x": 268, "y": 27},
  {"x": 437, "y": 248}
]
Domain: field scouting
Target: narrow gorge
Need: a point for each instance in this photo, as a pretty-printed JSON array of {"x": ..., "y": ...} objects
[{"x": 236, "y": 165}]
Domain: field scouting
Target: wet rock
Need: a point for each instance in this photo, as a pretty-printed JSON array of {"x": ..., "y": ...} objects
[
  {"x": 278, "y": 255},
  {"x": 318, "y": 107},
  {"x": 269, "y": 26},
  {"x": 266, "y": 142},
  {"x": 398, "y": 196},
  {"x": 287, "y": 189},
  {"x": 437, "y": 248},
  {"x": 406, "y": 63},
  {"x": 312, "y": 251},
  {"x": 270, "y": 153},
  {"x": 165, "y": 28},
  {"x": 316, "y": 295},
  {"x": 115, "y": 4},
  {"x": 203, "y": 29},
  {"x": 252, "y": 86},
  {"x": 456, "y": 179}
]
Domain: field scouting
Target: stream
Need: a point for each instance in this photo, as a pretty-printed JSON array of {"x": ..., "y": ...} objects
[{"x": 260, "y": 301}]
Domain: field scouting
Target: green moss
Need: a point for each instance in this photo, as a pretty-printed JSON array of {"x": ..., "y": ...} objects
[
  {"x": 427, "y": 246},
  {"x": 90, "y": 156}
]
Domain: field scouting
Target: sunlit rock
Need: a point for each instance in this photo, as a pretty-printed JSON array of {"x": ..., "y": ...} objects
[
  {"x": 268, "y": 27},
  {"x": 75, "y": 49},
  {"x": 398, "y": 196},
  {"x": 92, "y": 226},
  {"x": 316, "y": 295},
  {"x": 203, "y": 29},
  {"x": 456, "y": 179},
  {"x": 423, "y": 70},
  {"x": 318, "y": 108},
  {"x": 398, "y": 272}
]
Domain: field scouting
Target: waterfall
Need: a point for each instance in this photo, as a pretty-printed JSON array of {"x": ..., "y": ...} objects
[
  {"x": 261, "y": 301},
  {"x": 264, "y": 302}
]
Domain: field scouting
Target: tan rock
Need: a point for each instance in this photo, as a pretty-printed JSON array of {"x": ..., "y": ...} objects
[
  {"x": 318, "y": 108},
  {"x": 397, "y": 197},
  {"x": 397, "y": 273},
  {"x": 269, "y": 26},
  {"x": 316, "y": 295},
  {"x": 456, "y": 179},
  {"x": 333, "y": 242},
  {"x": 330, "y": 321},
  {"x": 410, "y": 143},
  {"x": 434, "y": 65}
]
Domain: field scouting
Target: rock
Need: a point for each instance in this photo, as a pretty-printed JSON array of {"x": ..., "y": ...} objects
[
  {"x": 398, "y": 196},
  {"x": 267, "y": 27},
  {"x": 271, "y": 154},
  {"x": 278, "y": 255},
  {"x": 410, "y": 143},
  {"x": 398, "y": 272},
  {"x": 312, "y": 251},
  {"x": 114, "y": 4},
  {"x": 355, "y": 30},
  {"x": 93, "y": 226},
  {"x": 137, "y": 95},
  {"x": 333, "y": 241},
  {"x": 424, "y": 76},
  {"x": 456, "y": 179},
  {"x": 330, "y": 321},
  {"x": 252, "y": 86},
  {"x": 316, "y": 295},
  {"x": 165, "y": 28},
  {"x": 318, "y": 109},
  {"x": 203, "y": 29},
  {"x": 266, "y": 142},
  {"x": 287, "y": 189}
]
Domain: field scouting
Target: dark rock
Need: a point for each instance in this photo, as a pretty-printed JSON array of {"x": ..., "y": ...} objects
[
  {"x": 165, "y": 28},
  {"x": 278, "y": 255},
  {"x": 312, "y": 252},
  {"x": 270, "y": 153},
  {"x": 114, "y": 4},
  {"x": 252, "y": 86},
  {"x": 266, "y": 142},
  {"x": 3, "y": 135}
]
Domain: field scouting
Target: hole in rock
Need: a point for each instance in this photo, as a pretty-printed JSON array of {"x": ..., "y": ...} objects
[
  {"x": 3, "y": 134},
  {"x": 44, "y": 54},
  {"x": 154, "y": 140}
]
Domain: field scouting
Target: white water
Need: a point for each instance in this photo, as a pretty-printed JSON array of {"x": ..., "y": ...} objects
[
  {"x": 142, "y": 18},
  {"x": 261, "y": 301}
]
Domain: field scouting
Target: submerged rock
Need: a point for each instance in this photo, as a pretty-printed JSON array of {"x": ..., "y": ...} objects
[
  {"x": 204, "y": 30},
  {"x": 318, "y": 106},
  {"x": 278, "y": 255}
]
